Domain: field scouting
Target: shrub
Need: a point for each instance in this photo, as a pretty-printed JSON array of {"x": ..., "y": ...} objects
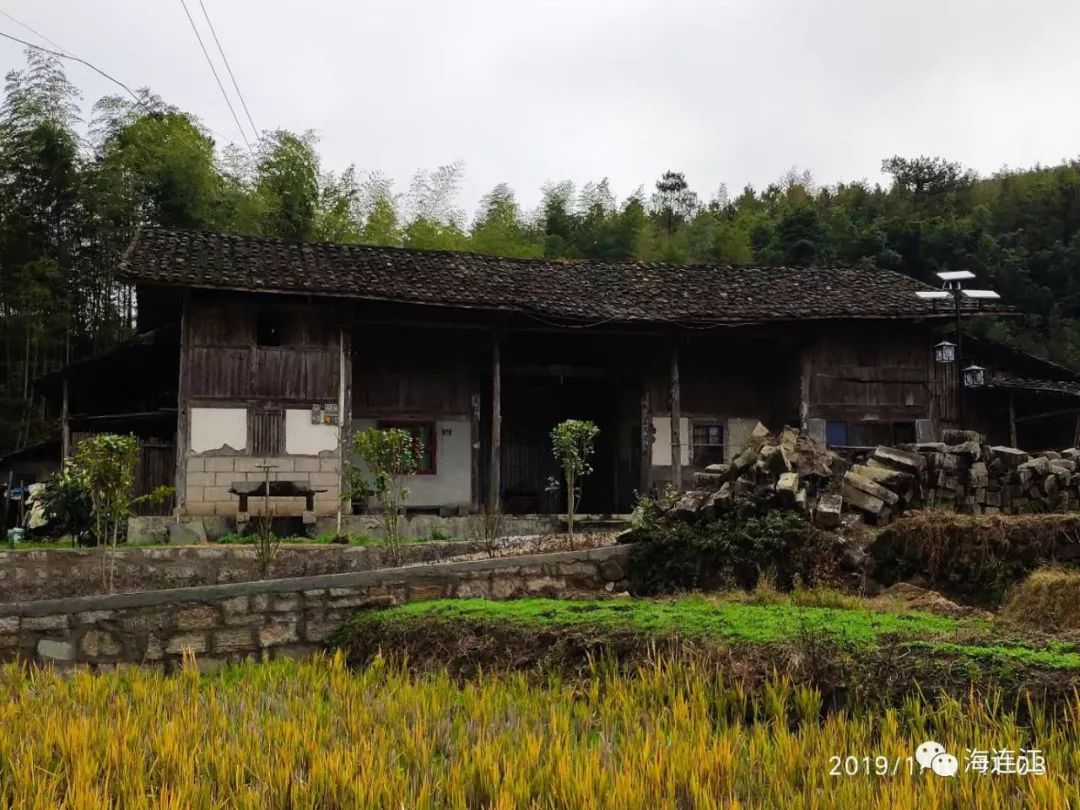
[
  {"x": 744, "y": 541},
  {"x": 1048, "y": 600},
  {"x": 572, "y": 443},
  {"x": 979, "y": 556},
  {"x": 66, "y": 503},
  {"x": 391, "y": 456}
]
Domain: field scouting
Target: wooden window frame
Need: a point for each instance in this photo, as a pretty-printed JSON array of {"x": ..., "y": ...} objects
[
  {"x": 253, "y": 415},
  {"x": 694, "y": 445},
  {"x": 410, "y": 425}
]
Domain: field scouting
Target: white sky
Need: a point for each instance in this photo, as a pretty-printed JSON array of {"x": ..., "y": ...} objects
[{"x": 731, "y": 91}]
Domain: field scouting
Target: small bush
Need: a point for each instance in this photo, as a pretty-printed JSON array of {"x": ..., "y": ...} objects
[
  {"x": 979, "y": 556},
  {"x": 1048, "y": 600},
  {"x": 736, "y": 547}
]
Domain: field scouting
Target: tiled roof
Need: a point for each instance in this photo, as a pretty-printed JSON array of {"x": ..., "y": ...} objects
[
  {"x": 1065, "y": 387},
  {"x": 566, "y": 290}
]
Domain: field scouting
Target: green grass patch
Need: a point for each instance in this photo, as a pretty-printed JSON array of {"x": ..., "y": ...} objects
[
  {"x": 1052, "y": 658},
  {"x": 691, "y": 617}
]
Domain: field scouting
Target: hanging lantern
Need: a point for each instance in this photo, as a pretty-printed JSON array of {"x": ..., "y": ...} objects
[
  {"x": 945, "y": 352},
  {"x": 974, "y": 376}
]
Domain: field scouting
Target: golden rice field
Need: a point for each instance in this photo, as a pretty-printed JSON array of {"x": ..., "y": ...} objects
[{"x": 318, "y": 735}]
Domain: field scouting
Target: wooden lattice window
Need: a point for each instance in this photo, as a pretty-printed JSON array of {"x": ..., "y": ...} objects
[
  {"x": 707, "y": 443},
  {"x": 267, "y": 432}
]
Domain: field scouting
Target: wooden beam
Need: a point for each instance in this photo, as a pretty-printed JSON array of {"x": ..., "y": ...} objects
[
  {"x": 676, "y": 420},
  {"x": 474, "y": 440},
  {"x": 494, "y": 473},
  {"x": 1012, "y": 421},
  {"x": 1047, "y": 414},
  {"x": 806, "y": 370},
  {"x": 65, "y": 435},
  {"x": 181, "y": 407},
  {"x": 646, "y": 440}
]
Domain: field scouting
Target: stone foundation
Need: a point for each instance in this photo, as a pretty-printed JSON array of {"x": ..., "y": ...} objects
[
  {"x": 59, "y": 573},
  {"x": 286, "y": 617}
]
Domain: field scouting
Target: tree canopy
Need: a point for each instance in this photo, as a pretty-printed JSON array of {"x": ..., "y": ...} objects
[{"x": 73, "y": 193}]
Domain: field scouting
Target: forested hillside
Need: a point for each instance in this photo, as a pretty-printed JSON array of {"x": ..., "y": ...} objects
[{"x": 76, "y": 181}]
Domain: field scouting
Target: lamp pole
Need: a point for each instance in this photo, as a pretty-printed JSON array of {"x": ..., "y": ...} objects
[
  {"x": 952, "y": 285},
  {"x": 959, "y": 359}
]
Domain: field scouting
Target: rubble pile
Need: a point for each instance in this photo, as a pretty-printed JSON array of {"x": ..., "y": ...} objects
[{"x": 961, "y": 472}]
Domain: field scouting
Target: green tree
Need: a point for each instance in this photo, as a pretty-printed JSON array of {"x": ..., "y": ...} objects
[
  {"x": 388, "y": 458},
  {"x": 572, "y": 442}
]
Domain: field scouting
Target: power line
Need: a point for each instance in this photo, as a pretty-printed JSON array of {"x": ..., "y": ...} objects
[
  {"x": 228, "y": 67},
  {"x": 217, "y": 78},
  {"x": 35, "y": 32},
  {"x": 65, "y": 55}
]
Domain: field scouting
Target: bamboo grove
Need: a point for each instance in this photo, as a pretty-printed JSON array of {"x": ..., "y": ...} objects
[{"x": 76, "y": 182}]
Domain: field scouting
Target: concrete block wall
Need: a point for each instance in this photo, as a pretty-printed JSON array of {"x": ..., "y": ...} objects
[
  {"x": 285, "y": 617},
  {"x": 209, "y": 478}
]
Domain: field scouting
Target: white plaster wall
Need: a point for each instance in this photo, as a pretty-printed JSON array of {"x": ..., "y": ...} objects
[
  {"x": 305, "y": 439},
  {"x": 213, "y": 428},
  {"x": 661, "y": 449},
  {"x": 737, "y": 436},
  {"x": 452, "y": 483}
]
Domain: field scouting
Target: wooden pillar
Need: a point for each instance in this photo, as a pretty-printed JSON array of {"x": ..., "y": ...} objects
[
  {"x": 344, "y": 416},
  {"x": 806, "y": 370},
  {"x": 65, "y": 434},
  {"x": 1012, "y": 421},
  {"x": 181, "y": 410},
  {"x": 494, "y": 476},
  {"x": 676, "y": 420},
  {"x": 646, "y": 440},
  {"x": 474, "y": 440},
  {"x": 1076, "y": 432}
]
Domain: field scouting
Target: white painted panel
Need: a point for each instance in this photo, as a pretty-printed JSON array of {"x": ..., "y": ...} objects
[
  {"x": 215, "y": 428},
  {"x": 738, "y": 436},
  {"x": 305, "y": 439},
  {"x": 661, "y": 449},
  {"x": 452, "y": 483}
]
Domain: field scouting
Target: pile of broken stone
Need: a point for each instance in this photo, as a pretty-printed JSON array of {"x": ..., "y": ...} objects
[{"x": 794, "y": 471}]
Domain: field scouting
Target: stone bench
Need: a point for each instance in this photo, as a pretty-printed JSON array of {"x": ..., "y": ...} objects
[{"x": 278, "y": 489}]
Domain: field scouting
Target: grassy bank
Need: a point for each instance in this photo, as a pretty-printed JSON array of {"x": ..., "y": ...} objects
[
  {"x": 668, "y": 734},
  {"x": 701, "y": 619}
]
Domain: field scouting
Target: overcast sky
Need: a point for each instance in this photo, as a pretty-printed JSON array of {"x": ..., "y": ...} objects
[{"x": 731, "y": 91}]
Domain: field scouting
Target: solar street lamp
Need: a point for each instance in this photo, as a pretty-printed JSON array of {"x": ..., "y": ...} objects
[
  {"x": 945, "y": 352},
  {"x": 974, "y": 376}
]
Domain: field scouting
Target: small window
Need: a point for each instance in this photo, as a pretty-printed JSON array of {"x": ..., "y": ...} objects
[
  {"x": 423, "y": 434},
  {"x": 836, "y": 434},
  {"x": 903, "y": 432},
  {"x": 267, "y": 433},
  {"x": 270, "y": 328},
  {"x": 707, "y": 444}
]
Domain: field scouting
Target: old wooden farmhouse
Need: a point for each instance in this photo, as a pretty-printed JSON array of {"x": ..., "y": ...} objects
[{"x": 254, "y": 352}]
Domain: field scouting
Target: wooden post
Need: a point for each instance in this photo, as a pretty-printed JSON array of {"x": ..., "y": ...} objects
[
  {"x": 1012, "y": 422},
  {"x": 676, "y": 420},
  {"x": 181, "y": 411},
  {"x": 1076, "y": 432},
  {"x": 646, "y": 441},
  {"x": 806, "y": 370},
  {"x": 343, "y": 384},
  {"x": 474, "y": 439},
  {"x": 7, "y": 502},
  {"x": 494, "y": 476},
  {"x": 65, "y": 434}
]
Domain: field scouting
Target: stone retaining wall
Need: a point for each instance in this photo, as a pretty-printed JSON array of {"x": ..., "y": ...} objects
[
  {"x": 285, "y": 617},
  {"x": 58, "y": 573}
]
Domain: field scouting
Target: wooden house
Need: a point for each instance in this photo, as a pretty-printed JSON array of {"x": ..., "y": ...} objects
[{"x": 252, "y": 353}]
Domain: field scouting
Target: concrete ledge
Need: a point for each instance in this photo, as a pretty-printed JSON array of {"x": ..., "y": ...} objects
[
  {"x": 212, "y": 593},
  {"x": 296, "y": 617}
]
